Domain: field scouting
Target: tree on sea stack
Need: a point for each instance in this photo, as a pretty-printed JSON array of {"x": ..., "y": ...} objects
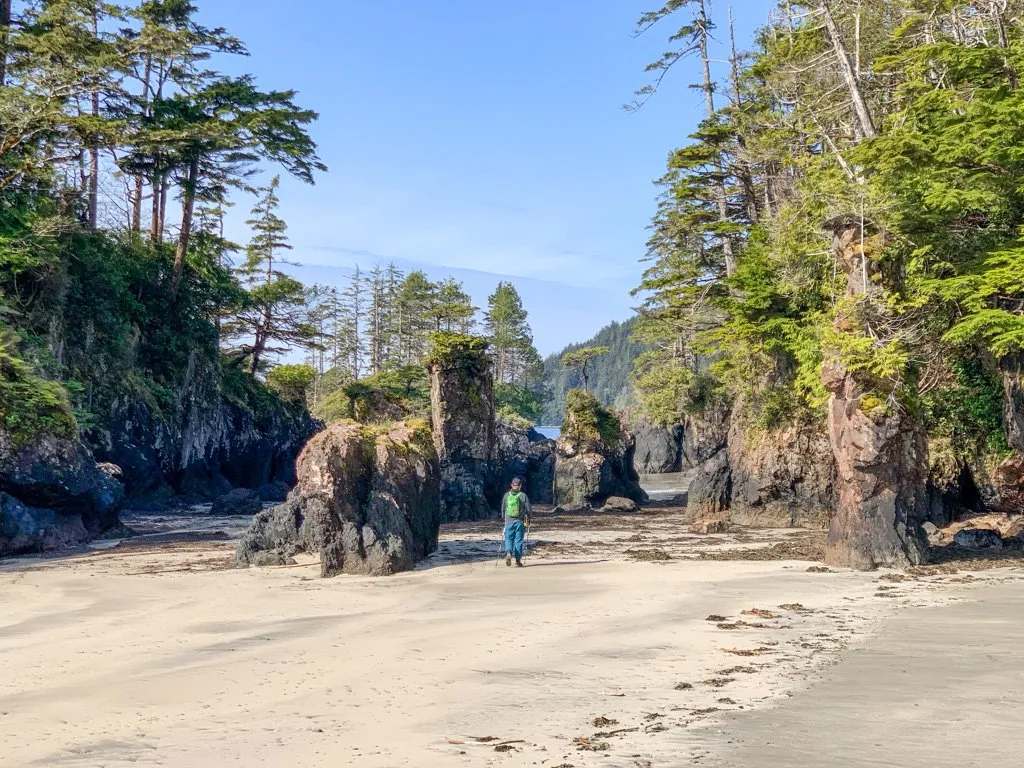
[
  {"x": 593, "y": 455},
  {"x": 580, "y": 359}
]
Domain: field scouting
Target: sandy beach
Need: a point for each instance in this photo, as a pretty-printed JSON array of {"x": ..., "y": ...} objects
[{"x": 625, "y": 642}]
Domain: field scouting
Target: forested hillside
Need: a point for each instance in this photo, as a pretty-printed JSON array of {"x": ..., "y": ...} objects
[
  {"x": 842, "y": 236},
  {"x": 609, "y": 377},
  {"x": 895, "y": 124}
]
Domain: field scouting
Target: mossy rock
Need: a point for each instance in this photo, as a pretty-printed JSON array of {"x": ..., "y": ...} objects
[
  {"x": 458, "y": 351},
  {"x": 588, "y": 422}
]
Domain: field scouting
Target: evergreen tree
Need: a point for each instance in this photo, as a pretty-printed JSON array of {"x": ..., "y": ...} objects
[
  {"x": 453, "y": 308},
  {"x": 274, "y": 312},
  {"x": 505, "y": 323}
]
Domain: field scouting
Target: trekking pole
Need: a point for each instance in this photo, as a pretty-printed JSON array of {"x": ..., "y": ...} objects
[{"x": 501, "y": 548}]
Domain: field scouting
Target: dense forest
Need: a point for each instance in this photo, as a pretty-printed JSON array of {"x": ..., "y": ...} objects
[
  {"x": 851, "y": 202},
  {"x": 123, "y": 149},
  {"x": 610, "y": 373}
]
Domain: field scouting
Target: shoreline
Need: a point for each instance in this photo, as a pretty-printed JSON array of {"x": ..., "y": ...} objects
[{"x": 166, "y": 655}]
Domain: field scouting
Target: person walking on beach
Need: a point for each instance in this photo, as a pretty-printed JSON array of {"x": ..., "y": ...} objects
[{"x": 515, "y": 510}]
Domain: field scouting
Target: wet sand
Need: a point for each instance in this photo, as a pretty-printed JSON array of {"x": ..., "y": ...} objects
[{"x": 936, "y": 687}]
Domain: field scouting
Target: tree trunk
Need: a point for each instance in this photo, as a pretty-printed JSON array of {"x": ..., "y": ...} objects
[
  {"x": 94, "y": 150},
  {"x": 188, "y": 205},
  {"x": 5, "y": 36},
  {"x": 137, "y": 201},
  {"x": 94, "y": 170},
  {"x": 860, "y": 107},
  {"x": 155, "y": 233},
  {"x": 258, "y": 345},
  {"x": 709, "y": 103}
]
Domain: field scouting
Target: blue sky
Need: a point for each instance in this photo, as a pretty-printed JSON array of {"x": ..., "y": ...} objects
[{"x": 481, "y": 140}]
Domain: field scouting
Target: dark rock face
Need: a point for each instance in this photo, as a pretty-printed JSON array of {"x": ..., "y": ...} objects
[
  {"x": 658, "y": 449},
  {"x": 54, "y": 495},
  {"x": 587, "y": 475},
  {"x": 881, "y": 476},
  {"x": 780, "y": 479},
  {"x": 711, "y": 488},
  {"x": 704, "y": 435},
  {"x": 367, "y": 502},
  {"x": 239, "y": 501},
  {"x": 276, "y": 491},
  {"x": 528, "y": 455},
  {"x": 463, "y": 424},
  {"x": 205, "y": 445},
  {"x": 978, "y": 538},
  {"x": 24, "y": 530}
]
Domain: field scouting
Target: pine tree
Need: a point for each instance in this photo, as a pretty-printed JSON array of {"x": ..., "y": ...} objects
[
  {"x": 505, "y": 323},
  {"x": 274, "y": 312},
  {"x": 453, "y": 308}
]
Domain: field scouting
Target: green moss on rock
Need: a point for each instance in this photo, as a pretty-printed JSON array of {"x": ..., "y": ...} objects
[{"x": 588, "y": 422}]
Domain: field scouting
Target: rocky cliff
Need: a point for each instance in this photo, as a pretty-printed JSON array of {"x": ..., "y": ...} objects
[
  {"x": 368, "y": 501},
  {"x": 783, "y": 477},
  {"x": 221, "y": 430},
  {"x": 880, "y": 449},
  {"x": 525, "y": 453}
]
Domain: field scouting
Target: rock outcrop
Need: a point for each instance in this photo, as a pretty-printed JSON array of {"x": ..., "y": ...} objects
[
  {"x": 778, "y": 478},
  {"x": 710, "y": 492},
  {"x": 525, "y": 453},
  {"x": 239, "y": 502},
  {"x": 659, "y": 449},
  {"x": 207, "y": 440},
  {"x": 881, "y": 452},
  {"x": 594, "y": 456},
  {"x": 704, "y": 434},
  {"x": 368, "y": 501},
  {"x": 54, "y": 494},
  {"x": 783, "y": 478},
  {"x": 463, "y": 425},
  {"x": 881, "y": 483}
]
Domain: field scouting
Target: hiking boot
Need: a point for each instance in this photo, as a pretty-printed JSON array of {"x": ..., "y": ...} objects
[
  {"x": 519, "y": 563},
  {"x": 508, "y": 560}
]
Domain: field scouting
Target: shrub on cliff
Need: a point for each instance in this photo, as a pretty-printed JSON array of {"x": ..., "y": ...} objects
[
  {"x": 383, "y": 397},
  {"x": 587, "y": 422},
  {"x": 291, "y": 381},
  {"x": 30, "y": 405}
]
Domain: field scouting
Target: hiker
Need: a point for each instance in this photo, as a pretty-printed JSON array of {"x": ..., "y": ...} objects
[{"x": 515, "y": 510}]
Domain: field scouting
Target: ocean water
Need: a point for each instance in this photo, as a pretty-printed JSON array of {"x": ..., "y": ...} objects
[{"x": 551, "y": 433}]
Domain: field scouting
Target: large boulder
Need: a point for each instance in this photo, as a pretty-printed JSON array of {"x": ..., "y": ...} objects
[
  {"x": 237, "y": 502},
  {"x": 659, "y": 449},
  {"x": 711, "y": 488},
  {"x": 525, "y": 453},
  {"x": 594, "y": 456},
  {"x": 26, "y": 530},
  {"x": 463, "y": 425},
  {"x": 59, "y": 473},
  {"x": 54, "y": 495},
  {"x": 367, "y": 501}
]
